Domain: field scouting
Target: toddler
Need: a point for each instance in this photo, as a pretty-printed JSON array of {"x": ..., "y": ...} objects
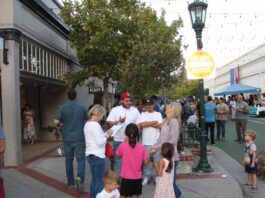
[
  {"x": 110, "y": 190},
  {"x": 165, "y": 172},
  {"x": 250, "y": 160}
]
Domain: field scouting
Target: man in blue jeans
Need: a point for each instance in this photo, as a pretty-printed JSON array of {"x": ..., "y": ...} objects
[
  {"x": 124, "y": 113},
  {"x": 222, "y": 115},
  {"x": 210, "y": 113},
  {"x": 150, "y": 123},
  {"x": 71, "y": 117}
]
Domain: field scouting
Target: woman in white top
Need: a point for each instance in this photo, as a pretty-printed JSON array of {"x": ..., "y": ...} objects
[{"x": 95, "y": 147}]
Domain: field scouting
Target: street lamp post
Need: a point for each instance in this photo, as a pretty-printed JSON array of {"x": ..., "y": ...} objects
[{"x": 197, "y": 11}]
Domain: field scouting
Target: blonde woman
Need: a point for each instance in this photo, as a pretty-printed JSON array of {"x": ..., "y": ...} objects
[
  {"x": 96, "y": 140},
  {"x": 170, "y": 133}
]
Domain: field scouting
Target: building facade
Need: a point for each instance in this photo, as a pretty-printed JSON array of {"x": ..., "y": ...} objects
[
  {"x": 38, "y": 54},
  {"x": 251, "y": 71}
]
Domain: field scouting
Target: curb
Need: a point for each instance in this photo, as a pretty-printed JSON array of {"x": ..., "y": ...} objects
[{"x": 237, "y": 172}]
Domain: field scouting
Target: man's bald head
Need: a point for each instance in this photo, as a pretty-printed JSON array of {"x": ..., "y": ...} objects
[{"x": 239, "y": 98}]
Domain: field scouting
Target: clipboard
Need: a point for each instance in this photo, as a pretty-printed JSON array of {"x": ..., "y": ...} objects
[{"x": 116, "y": 128}]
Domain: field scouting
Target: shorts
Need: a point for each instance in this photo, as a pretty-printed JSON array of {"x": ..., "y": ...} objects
[
  {"x": 251, "y": 170},
  {"x": 130, "y": 187}
]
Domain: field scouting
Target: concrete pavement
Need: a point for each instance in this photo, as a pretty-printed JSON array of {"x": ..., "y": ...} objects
[
  {"x": 234, "y": 149},
  {"x": 236, "y": 170},
  {"x": 45, "y": 177}
]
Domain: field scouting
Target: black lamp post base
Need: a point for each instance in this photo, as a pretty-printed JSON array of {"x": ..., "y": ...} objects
[{"x": 203, "y": 167}]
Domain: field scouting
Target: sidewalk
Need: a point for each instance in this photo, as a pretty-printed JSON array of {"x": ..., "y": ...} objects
[
  {"x": 45, "y": 177},
  {"x": 237, "y": 172}
]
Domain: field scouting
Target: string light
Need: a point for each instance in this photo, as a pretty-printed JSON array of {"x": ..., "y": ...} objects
[{"x": 224, "y": 36}]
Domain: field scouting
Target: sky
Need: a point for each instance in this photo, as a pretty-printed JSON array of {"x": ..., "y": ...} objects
[{"x": 233, "y": 27}]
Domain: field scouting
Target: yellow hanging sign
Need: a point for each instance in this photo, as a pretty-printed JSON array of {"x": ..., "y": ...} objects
[{"x": 200, "y": 65}]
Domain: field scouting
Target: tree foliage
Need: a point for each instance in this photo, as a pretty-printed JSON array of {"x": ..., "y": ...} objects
[
  {"x": 184, "y": 87},
  {"x": 155, "y": 57},
  {"x": 103, "y": 32},
  {"x": 124, "y": 41}
]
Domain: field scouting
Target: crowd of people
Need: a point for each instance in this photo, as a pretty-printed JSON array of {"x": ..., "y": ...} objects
[
  {"x": 217, "y": 111},
  {"x": 144, "y": 141}
]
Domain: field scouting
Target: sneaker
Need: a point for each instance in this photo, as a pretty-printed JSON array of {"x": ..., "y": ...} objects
[
  {"x": 247, "y": 185},
  {"x": 145, "y": 181},
  {"x": 79, "y": 185},
  {"x": 254, "y": 189},
  {"x": 59, "y": 151}
]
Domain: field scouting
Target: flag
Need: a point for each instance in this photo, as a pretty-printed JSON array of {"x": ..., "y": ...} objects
[
  {"x": 234, "y": 75},
  {"x": 237, "y": 76}
]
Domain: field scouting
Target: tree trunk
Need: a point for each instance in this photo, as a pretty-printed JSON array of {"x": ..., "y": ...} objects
[{"x": 106, "y": 92}]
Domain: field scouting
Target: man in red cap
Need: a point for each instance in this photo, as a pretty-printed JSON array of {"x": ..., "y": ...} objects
[{"x": 125, "y": 113}]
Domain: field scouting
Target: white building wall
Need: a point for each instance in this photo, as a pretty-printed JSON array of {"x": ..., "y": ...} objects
[
  {"x": 37, "y": 29},
  {"x": 252, "y": 71}
]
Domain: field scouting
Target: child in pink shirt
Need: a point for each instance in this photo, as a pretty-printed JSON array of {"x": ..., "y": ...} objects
[{"x": 133, "y": 156}]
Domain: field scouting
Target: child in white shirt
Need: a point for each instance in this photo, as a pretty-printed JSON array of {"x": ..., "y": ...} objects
[
  {"x": 193, "y": 119},
  {"x": 110, "y": 186}
]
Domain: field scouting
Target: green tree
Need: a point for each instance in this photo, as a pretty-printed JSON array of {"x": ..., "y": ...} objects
[
  {"x": 102, "y": 32},
  {"x": 155, "y": 57},
  {"x": 184, "y": 87}
]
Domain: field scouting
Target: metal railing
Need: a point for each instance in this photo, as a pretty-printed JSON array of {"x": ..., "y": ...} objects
[{"x": 189, "y": 135}]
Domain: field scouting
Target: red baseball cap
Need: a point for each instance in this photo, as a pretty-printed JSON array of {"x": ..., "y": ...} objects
[{"x": 125, "y": 95}]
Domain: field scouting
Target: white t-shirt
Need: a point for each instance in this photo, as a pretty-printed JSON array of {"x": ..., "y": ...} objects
[
  {"x": 105, "y": 194},
  {"x": 95, "y": 139},
  {"x": 131, "y": 115},
  {"x": 150, "y": 134},
  {"x": 192, "y": 119},
  {"x": 253, "y": 147}
]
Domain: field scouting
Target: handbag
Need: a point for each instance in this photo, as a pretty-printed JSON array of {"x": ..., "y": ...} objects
[{"x": 109, "y": 151}]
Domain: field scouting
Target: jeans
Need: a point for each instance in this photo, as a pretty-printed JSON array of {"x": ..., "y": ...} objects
[
  {"x": 117, "y": 161},
  {"x": 77, "y": 149},
  {"x": 220, "y": 124},
  {"x": 149, "y": 171},
  {"x": 211, "y": 126},
  {"x": 97, "y": 169},
  {"x": 176, "y": 188},
  {"x": 241, "y": 126}
]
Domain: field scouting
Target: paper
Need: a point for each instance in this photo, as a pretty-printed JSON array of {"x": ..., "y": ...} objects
[{"x": 116, "y": 128}]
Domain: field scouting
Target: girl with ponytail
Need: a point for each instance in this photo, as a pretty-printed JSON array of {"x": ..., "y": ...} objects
[
  {"x": 133, "y": 156},
  {"x": 164, "y": 185}
]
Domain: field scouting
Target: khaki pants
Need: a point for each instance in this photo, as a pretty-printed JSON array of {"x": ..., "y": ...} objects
[{"x": 241, "y": 126}]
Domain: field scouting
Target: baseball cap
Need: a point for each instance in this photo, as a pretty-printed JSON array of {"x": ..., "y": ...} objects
[
  {"x": 125, "y": 95},
  {"x": 148, "y": 101}
]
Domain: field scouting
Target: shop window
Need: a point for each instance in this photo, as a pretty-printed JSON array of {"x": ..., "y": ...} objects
[{"x": 40, "y": 61}]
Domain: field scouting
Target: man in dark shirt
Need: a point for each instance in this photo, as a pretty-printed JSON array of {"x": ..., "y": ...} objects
[
  {"x": 157, "y": 106},
  {"x": 71, "y": 117}
]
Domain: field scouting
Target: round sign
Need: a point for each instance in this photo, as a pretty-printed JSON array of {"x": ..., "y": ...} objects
[{"x": 200, "y": 65}]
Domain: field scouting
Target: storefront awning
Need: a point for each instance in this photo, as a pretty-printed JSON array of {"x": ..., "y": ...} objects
[{"x": 237, "y": 89}]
